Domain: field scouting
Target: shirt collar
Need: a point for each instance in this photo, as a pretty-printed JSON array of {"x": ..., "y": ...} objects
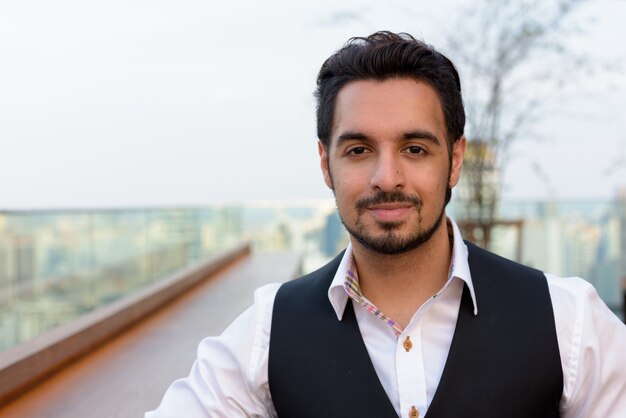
[{"x": 459, "y": 268}]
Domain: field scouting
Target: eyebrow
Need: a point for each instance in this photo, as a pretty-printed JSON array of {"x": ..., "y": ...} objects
[
  {"x": 407, "y": 136},
  {"x": 420, "y": 134},
  {"x": 352, "y": 136}
]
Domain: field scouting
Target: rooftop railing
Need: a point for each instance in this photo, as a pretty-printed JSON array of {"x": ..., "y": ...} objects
[{"x": 26, "y": 365}]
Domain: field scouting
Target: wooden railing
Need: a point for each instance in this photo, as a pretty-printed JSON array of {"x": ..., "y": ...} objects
[{"x": 24, "y": 366}]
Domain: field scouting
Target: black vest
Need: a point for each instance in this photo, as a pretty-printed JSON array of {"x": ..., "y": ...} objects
[{"x": 502, "y": 363}]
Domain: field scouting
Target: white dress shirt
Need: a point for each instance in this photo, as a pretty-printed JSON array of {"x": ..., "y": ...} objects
[{"x": 229, "y": 377}]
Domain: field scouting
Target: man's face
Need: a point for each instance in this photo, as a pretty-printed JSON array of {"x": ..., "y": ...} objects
[{"x": 388, "y": 163}]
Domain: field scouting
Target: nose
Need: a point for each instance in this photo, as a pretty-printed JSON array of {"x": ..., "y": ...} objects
[{"x": 387, "y": 174}]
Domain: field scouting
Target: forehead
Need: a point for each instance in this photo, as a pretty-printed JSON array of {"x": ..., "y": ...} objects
[{"x": 388, "y": 107}]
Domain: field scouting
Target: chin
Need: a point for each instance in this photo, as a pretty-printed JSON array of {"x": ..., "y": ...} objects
[{"x": 394, "y": 237}]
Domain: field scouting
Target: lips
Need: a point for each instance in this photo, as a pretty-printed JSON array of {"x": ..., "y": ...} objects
[{"x": 390, "y": 212}]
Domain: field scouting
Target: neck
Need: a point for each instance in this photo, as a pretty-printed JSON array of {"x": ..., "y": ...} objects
[{"x": 399, "y": 284}]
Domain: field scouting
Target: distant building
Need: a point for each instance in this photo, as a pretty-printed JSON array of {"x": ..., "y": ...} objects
[
  {"x": 333, "y": 237},
  {"x": 544, "y": 240}
]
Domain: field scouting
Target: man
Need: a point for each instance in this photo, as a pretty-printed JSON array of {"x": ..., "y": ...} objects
[{"x": 409, "y": 321}]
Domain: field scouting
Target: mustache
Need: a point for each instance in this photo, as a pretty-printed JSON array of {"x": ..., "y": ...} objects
[{"x": 387, "y": 197}]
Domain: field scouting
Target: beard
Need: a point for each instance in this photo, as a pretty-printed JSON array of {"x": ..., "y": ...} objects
[{"x": 391, "y": 242}]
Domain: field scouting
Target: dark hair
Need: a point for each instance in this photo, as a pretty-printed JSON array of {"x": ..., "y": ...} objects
[{"x": 385, "y": 55}]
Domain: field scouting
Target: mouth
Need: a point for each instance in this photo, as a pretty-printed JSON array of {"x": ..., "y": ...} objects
[
  {"x": 390, "y": 208},
  {"x": 390, "y": 212}
]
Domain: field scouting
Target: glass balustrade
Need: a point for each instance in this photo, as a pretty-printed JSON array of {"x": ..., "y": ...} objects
[{"x": 57, "y": 265}]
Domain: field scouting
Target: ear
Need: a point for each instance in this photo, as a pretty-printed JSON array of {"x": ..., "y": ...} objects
[
  {"x": 323, "y": 151},
  {"x": 458, "y": 152}
]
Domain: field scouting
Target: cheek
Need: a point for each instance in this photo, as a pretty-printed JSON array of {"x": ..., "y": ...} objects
[
  {"x": 345, "y": 182},
  {"x": 350, "y": 190},
  {"x": 347, "y": 191},
  {"x": 434, "y": 183}
]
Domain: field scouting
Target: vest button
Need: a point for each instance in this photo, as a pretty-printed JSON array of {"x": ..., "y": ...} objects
[
  {"x": 407, "y": 344},
  {"x": 413, "y": 413}
]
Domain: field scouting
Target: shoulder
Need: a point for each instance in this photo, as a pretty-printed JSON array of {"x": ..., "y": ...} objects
[
  {"x": 578, "y": 309},
  {"x": 575, "y": 301},
  {"x": 571, "y": 293}
]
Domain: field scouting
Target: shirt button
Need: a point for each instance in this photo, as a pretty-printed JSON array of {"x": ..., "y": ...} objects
[
  {"x": 407, "y": 344},
  {"x": 413, "y": 413}
]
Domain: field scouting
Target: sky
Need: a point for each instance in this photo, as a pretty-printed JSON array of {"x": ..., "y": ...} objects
[{"x": 160, "y": 103}]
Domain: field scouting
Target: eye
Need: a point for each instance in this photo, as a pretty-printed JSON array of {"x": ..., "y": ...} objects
[
  {"x": 414, "y": 149},
  {"x": 357, "y": 151}
]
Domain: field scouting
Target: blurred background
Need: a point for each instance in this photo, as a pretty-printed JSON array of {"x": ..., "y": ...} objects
[{"x": 139, "y": 137}]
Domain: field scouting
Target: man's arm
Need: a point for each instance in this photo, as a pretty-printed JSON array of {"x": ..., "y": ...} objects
[
  {"x": 229, "y": 377},
  {"x": 592, "y": 342}
]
